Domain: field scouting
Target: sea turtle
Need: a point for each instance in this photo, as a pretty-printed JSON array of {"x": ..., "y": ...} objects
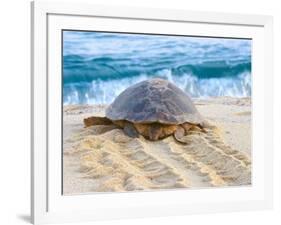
[{"x": 154, "y": 108}]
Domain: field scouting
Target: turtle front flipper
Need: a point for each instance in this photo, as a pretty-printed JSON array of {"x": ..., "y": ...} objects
[
  {"x": 96, "y": 120},
  {"x": 130, "y": 130}
]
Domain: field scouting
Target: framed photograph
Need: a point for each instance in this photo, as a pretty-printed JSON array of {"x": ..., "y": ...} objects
[{"x": 142, "y": 112}]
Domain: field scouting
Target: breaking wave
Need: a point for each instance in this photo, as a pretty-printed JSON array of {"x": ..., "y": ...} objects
[{"x": 99, "y": 66}]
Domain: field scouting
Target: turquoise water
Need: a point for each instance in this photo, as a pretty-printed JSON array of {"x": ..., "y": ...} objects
[{"x": 97, "y": 66}]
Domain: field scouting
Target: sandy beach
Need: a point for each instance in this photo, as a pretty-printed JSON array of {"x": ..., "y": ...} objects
[{"x": 103, "y": 159}]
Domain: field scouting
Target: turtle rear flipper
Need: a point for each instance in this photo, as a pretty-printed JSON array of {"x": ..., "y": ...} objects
[
  {"x": 181, "y": 134},
  {"x": 96, "y": 120}
]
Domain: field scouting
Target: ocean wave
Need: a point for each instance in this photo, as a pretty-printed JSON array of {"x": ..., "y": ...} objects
[
  {"x": 79, "y": 69},
  {"x": 105, "y": 91},
  {"x": 98, "y": 66}
]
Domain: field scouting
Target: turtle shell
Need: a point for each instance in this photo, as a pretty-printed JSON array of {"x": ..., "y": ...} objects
[{"x": 154, "y": 100}]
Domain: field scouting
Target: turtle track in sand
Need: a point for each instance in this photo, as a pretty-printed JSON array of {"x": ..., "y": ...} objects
[{"x": 115, "y": 162}]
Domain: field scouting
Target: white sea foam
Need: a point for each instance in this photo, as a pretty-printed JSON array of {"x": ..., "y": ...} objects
[{"x": 104, "y": 92}]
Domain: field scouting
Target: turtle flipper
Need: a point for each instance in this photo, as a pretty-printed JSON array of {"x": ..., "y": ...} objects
[
  {"x": 130, "y": 130},
  {"x": 96, "y": 120},
  {"x": 206, "y": 125},
  {"x": 179, "y": 134},
  {"x": 187, "y": 127}
]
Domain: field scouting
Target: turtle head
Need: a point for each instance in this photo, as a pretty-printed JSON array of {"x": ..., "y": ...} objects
[{"x": 155, "y": 131}]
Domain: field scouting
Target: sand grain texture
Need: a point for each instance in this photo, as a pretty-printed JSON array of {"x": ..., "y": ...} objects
[{"x": 103, "y": 159}]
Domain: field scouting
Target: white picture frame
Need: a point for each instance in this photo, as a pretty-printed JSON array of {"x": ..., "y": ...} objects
[{"x": 48, "y": 205}]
